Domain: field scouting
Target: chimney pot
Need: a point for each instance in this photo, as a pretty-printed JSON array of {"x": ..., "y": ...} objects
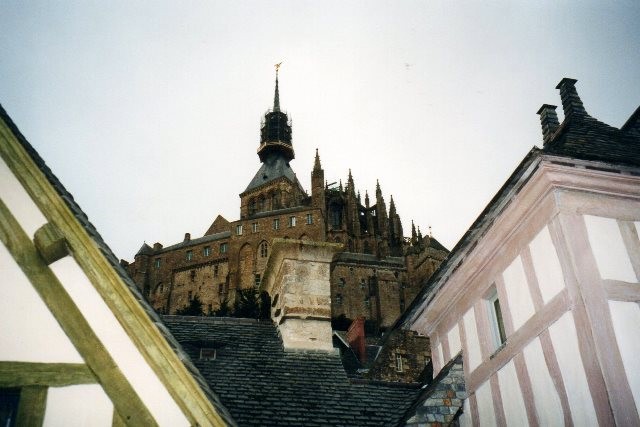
[
  {"x": 187, "y": 237},
  {"x": 549, "y": 121}
]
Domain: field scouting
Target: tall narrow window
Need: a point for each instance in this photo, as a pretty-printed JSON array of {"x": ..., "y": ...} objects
[
  {"x": 292, "y": 221},
  {"x": 157, "y": 263},
  {"x": 223, "y": 248},
  {"x": 254, "y": 227},
  {"x": 206, "y": 251},
  {"x": 276, "y": 224},
  {"x": 399, "y": 367},
  {"x": 309, "y": 218},
  {"x": 239, "y": 229},
  {"x": 189, "y": 255},
  {"x": 264, "y": 250},
  {"x": 495, "y": 317}
]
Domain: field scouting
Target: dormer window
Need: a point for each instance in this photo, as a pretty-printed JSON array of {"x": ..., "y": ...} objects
[{"x": 207, "y": 354}]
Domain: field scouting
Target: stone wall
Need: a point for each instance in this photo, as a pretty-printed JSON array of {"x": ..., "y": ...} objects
[
  {"x": 404, "y": 357},
  {"x": 441, "y": 402}
]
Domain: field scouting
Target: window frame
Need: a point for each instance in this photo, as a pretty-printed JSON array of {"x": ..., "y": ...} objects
[{"x": 496, "y": 318}]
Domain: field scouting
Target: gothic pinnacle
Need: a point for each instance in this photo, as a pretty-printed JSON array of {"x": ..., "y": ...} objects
[
  {"x": 316, "y": 163},
  {"x": 392, "y": 206}
]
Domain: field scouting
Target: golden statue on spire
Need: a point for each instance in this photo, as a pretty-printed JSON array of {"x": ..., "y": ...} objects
[{"x": 278, "y": 66}]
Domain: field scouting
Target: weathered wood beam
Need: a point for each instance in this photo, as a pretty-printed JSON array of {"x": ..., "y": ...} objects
[{"x": 20, "y": 374}]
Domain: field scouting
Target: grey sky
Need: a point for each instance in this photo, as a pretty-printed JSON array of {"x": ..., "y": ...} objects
[{"x": 149, "y": 112}]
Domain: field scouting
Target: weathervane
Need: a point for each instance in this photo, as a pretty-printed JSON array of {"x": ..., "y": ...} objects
[{"x": 278, "y": 67}]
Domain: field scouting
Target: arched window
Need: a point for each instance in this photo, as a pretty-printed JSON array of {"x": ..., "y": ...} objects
[{"x": 264, "y": 249}]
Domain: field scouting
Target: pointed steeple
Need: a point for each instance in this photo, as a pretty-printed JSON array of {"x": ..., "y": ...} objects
[
  {"x": 378, "y": 190},
  {"x": 276, "y": 97},
  {"x": 366, "y": 198},
  {"x": 275, "y": 132},
  {"x": 316, "y": 163},
  {"x": 419, "y": 235},
  {"x": 392, "y": 207},
  {"x": 414, "y": 235}
]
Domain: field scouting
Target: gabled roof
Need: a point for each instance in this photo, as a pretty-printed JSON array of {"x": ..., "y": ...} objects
[
  {"x": 580, "y": 137},
  {"x": 262, "y": 384},
  {"x": 129, "y": 306}
]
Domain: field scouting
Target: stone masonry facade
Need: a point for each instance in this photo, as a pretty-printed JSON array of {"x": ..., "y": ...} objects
[{"x": 376, "y": 275}]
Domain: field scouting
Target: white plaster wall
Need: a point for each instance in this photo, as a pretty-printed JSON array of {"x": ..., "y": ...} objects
[
  {"x": 28, "y": 330},
  {"x": 465, "y": 419},
  {"x": 545, "y": 396},
  {"x": 78, "y": 405},
  {"x": 565, "y": 342},
  {"x": 626, "y": 324},
  {"x": 132, "y": 364},
  {"x": 472, "y": 345},
  {"x": 608, "y": 249},
  {"x": 515, "y": 412},
  {"x": 440, "y": 362},
  {"x": 19, "y": 202},
  {"x": 454, "y": 340},
  {"x": 484, "y": 399},
  {"x": 546, "y": 265},
  {"x": 517, "y": 289}
]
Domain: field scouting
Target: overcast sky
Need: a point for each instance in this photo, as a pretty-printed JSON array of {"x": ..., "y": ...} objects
[{"x": 149, "y": 112}]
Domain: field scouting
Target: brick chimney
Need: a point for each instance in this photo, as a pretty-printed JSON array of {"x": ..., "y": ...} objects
[
  {"x": 187, "y": 237},
  {"x": 297, "y": 278},
  {"x": 571, "y": 102},
  {"x": 157, "y": 246},
  {"x": 549, "y": 121},
  {"x": 356, "y": 338}
]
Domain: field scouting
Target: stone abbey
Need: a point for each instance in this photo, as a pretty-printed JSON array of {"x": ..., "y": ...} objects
[{"x": 376, "y": 276}]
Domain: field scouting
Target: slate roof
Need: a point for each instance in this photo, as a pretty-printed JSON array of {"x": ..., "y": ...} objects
[
  {"x": 583, "y": 137},
  {"x": 275, "y": 166},
  {"x": 261, "y": 384},
  {"x": 369, "y": 259},
  {"x": 197, "y": 241},
  {"x": 113, "y": 261}
]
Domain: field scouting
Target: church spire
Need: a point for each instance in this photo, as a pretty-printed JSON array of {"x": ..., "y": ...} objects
[
  {"x": 275, "y": 132},
  {"x": 276, "y": 97}
]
